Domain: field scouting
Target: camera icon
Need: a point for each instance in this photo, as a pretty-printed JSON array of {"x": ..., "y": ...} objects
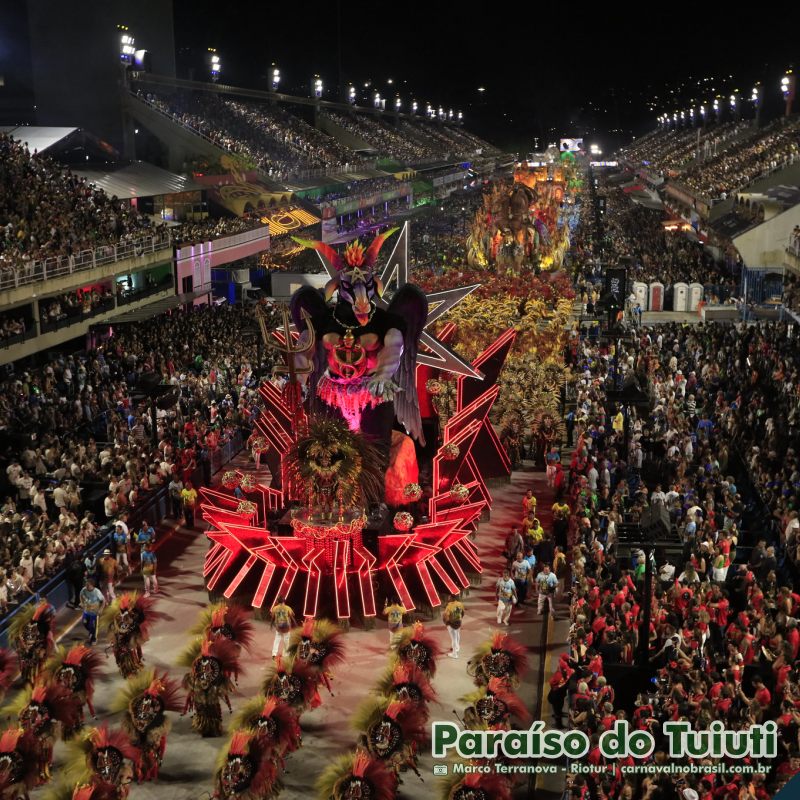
[{"x": 440, "y": 769}]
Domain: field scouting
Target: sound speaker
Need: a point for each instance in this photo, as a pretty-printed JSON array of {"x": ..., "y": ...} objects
[{"x": 655, "y": 522}]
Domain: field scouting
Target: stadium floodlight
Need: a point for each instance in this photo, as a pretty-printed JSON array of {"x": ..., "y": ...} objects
[
  {"x": 785, "y": 84},
  {"x": 126, "y": 44},
  {"x": 702, "y": 110},
  {"x": 450, "y": 114},
  {"x": 716, "y": 104},
  {"x": 429, "y": 110},
  {"x": 351, "y": 95},
  {"x": 460, "y": 116},
  {"x": 481, "y": 89},
  {"x": 397, "y": 103},
  {"x": 414, "y": 107},
  {"x": 215, "y": 62},
  {"x": 441, "y": 113},
  {"x": 754, "y": 94},
  {"x": 317, "y": 86},
  {"x": 276, "y": 78},
  {"x": 732, "y": 100},
  {"x": 377, "y": 100}
]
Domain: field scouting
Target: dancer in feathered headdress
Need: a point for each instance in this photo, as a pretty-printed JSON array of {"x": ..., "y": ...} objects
[
  {"x": 294, "y": 682},
  {"x": 31, "y": 635},
  {"x": 476, "y": 786},
  {"x": 406, "y": 682},
  {"x": 391, "y": 731},
  {"x": 145, "y": 700},
  {"x": 18, "y": 764},
  {"x": 494, "y": 705},
  {"x": 106, "y": 759},
  {"x": 274, "y": 721},
  {"x": 128, "y": 620},
  {"x": 418, "y": 649},
  {"x": 213, "y": 668},
  {"x": 320, "y": 643},
  {"x": 500, "y": 657},
  {"x": 40, "y": 709},
  {"x": 246, "y": 770},
  {"x": 357, "y": 776},
  {"x": 232, "y": 622},
  {"x": 76, "y": 669}
]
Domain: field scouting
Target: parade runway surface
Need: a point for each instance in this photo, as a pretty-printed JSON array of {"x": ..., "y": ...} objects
[{"x": 189, "y": 763}]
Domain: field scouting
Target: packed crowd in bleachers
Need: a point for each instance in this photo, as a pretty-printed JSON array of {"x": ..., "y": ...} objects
[
  {"x": 717, "y": 450},
  {"x": 46, "y": 210},
  {"x": 74, "y": 303},
  {"x": 385, "y": 139},
  {"x": 77, "y": 442},
  {"x": 735, "y": 167},
  {"x": 277, "y": 142},
  {"x": 358, "y": 188},
  {"x": 211, "y": 228}
]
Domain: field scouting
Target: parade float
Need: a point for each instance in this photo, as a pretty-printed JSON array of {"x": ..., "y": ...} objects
[{"x": 352, "y": 429}]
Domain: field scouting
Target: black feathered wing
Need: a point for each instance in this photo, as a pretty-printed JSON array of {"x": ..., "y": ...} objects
[
  {"x": 312, "y": 301},
  {"x": 411, "y": 304}
]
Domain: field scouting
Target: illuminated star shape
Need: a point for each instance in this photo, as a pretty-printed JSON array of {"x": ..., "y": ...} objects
[{"x": 396, "y": 274}]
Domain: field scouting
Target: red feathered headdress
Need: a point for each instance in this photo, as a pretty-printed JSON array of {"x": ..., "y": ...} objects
[
  {"x": 226, "y": 652},
  {"x": 102, "y": 739},
  {"x": 61, "y": 703},
  {"x": 516, "y": 651},
  {"x": 406, "y": 673},
  {"x": 354, "y": 255},
  {"x": 374, "y": 771},
  {"x": 44, "y": 612},
  {"x": 88, "y": 662},
  {"x": 516, "y": 708},
  {"x": 494, "y": 785},
  {"x": 410, "y": 719},
  {"x": 19, "y": 762},
  {"x": 233, "y": 622},
  {"x": 424, "y": 642},
  {"x": 167, "y": 690},
  {"x": 287, "y": 725},
  {"x": 245, "y": 744}
]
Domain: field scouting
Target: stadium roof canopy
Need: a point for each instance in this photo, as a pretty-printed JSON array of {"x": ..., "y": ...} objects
[
  {"x": 37, "y": 137},
  {"x": 137, "y": 179}
]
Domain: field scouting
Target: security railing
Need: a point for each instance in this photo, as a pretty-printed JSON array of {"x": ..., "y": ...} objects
[{"x": 43, "y": 269}]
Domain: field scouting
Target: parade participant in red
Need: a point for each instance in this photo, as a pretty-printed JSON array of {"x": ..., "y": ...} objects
[
  {"x": 274, "y": 721},
  {"x": 233, "y": 622},
  {"x": 18, "y": 763},
  {"x": 246, "y": 770},
  {"x": 31, "y": 635},
  {"x": 320, "y": 644},
  {"x": 405, "y": 682},
  {"x": 110, "y": 760},
  {"x": 294, "y": 682},
  {"x": 76, "y": 669},
  {"x": 416, "y": 648},
  {"x": 128, "y": 621},
  {"x": 500, "y": 657},
  {"x": 358, "y": 775},
  {"x": 144, "y": 702},
  {"x": 213, "y": 668},
  {"x": 494, "y": 705}
]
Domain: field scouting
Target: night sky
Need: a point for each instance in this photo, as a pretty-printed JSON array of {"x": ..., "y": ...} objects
[{"x": 546, "y": 73}]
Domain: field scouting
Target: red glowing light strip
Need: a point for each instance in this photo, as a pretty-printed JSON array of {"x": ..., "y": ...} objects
[
  {"x": 400, "y": 587},
  {"x": 466, "y": 514},
  {"x": 367, "y": 560},
  {"x": 341, "y": 550},
  {"x": 312, "y": 582},
  {"x": 448, "y": 582},
  {"x": 263, "y": 584},
  {"x": 498, "y": 446},
  {"x": 234, "y": 584},
  {"x": 446, "y": 333},
  {"x": 288, "y": 581},
  {"x": 470, "y": 430},
  {"x": 501, "y": 341},
  {"x": 427, "y": 584},
  {"x": 479, "y": 485},
  {"x": 213, "y": 557},
  {"x": 474, "y": 408},
  {"x": 467, "y": 549},
  {"x": 221, "y": 569},
  {"x": 461, "y": 576}
]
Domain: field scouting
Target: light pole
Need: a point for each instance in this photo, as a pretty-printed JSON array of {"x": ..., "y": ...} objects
[
  {"x": 215, "y": 65},
  {"x": 317, "y": 87},
  {"x": 755, "y": 99},
  {"x": 351, "y": 95},
  {"x": 276, "y": 78},
  {"x": 788, "y": 89}
]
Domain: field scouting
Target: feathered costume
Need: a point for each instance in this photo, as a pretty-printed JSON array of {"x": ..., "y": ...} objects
[
  {"x": 40, "y": 710},
  {"x": 145, "y": 700},
  {"x": 500, "y": 657},
  {"x": 357, "y": 776},
  {"x": 342, "y": 376},
  {"x": 128, "y": 620},
  {"x": 105, "y": 759},
  {"x": 320, "y": 644},
  {"x": 391, "y": 731},
  {"x": 213, "y": 668},
  {"x": 18, "y": 764},
  {"x": 8, "y": 668},
  {"x": 493, "y": 706},
  {"x": 418, "y": 649},
  {"x": 406, "y": 683},
  {"x": 246, "y": 770},
  {"x": 294, "y": 682},
  {"x": 476, "y": 786},
  {"x": 274, "y": 721},
  {"x": 77, "y": 670},
  {"x": 31, "y": 635},
  {"x": 232, "y": 622}
]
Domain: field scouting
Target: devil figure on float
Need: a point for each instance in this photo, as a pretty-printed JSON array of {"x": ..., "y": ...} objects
[{"x": 364, "y": 359}]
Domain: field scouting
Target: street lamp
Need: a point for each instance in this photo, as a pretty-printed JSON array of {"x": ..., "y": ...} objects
[
  {"x": 716, "y": 107},
  {"x": 414, "y": 107},
  {"x": 788, "y": 84},
  {"x": 351, "y": 95},
  {"x": 276, "y": 78},
  {"x": 317, "y": 86},
  {"x": 215, "y": 64},
  {"x": 377, "y": 100},
  {"x": 397, "y": 103},
  {"x": 460, "y": 117}
]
